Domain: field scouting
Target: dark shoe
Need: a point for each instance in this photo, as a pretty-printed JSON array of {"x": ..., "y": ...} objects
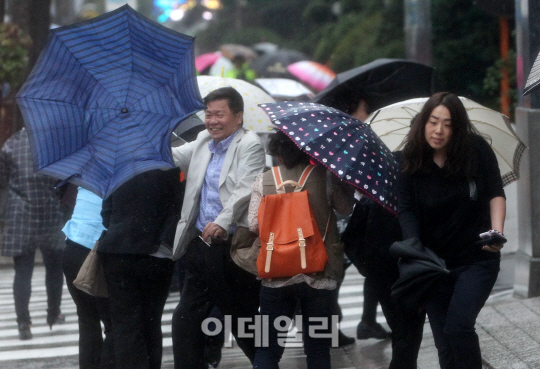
[
  {"x": 365, "y": 331},
  {"x": 24, "y": 332},
  {"x": 213, "y": 351},
  {"x": 55, "y": 317},
  {"x": 344, "y": 340}
]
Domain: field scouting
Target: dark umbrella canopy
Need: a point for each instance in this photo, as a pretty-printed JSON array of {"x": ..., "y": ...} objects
[
  {"x": 274, "y": 65},
  {"x": 104, "y": 97},
  {"x": 343, "y": 144},
  {"x": 381, "y": 82},
  {"x": 420, "y": 271}
]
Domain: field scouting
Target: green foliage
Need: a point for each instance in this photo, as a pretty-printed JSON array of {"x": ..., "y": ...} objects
[
  {"x": 14, "y": 48},
  {"x": 355, "y": 43},
  {"x": 464, "y": 39},
  {"x": 364, "y": 32},
  {"x": 318, "y": 12},
  {"x": 252, "y": 35},
  {"x": 493, "y": 78},
  {"x": 465, "y": 45}
]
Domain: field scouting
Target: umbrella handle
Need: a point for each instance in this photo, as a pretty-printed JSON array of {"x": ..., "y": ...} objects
[{"x": 289, "y": 182}]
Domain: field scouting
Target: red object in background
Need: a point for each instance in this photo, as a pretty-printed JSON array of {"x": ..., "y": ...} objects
[
  {"x": 504, "y": 32},
  {"x": 205, "y": 61}
]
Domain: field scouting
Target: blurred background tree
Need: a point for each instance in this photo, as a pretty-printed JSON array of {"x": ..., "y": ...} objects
[
  {"x": 344, "y": 34},
  {"x": 34, "y": 18},
  {"x": 14, "y": 50}
]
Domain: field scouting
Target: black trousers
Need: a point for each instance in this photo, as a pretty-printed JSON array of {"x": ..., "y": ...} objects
[
  {"x": 94, "y": 351},
  {"x": 453, "y": 310},
  {"x": 138, "y": 287},
  {"x": 212, "y": 278},
  {"x": 54, "y": 280}
]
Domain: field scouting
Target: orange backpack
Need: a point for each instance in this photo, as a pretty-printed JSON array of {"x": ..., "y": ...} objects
[{"x": 288, "y": 228}]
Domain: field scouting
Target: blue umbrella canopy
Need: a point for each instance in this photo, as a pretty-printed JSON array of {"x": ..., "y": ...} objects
[
  {"x": 343, "y": 144},
  {"x": 104, "y": 97}
]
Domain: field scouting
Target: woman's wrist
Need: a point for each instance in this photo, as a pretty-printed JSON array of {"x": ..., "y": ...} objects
[{"x": 496, "y": 231}]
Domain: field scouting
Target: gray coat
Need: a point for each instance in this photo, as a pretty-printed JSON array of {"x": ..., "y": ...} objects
[{"x": 33, "y": 213}]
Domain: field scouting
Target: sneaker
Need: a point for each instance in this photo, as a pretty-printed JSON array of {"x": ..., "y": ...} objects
[
  {"x": 24, "y": 331},
  {"x": 365, "y": 331},
  {"x": 344, "y": 340}
]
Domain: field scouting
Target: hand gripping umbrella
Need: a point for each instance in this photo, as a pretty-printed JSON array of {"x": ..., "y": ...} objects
[
  {"x": 392, "y": 123},
  {"x": 343, "y": 144},
  {"x": 104, "y": 97}
]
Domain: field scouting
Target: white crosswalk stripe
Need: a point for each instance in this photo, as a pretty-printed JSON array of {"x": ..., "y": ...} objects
[{"x": 62, "y": 340}]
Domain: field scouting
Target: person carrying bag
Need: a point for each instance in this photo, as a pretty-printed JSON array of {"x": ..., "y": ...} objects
[
  {"x": 289, "y": 230},
  {"x": 297, "y": 252}
]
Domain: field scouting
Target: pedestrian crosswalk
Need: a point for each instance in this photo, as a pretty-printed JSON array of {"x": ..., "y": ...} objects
[{"x": 61, "y": 342}]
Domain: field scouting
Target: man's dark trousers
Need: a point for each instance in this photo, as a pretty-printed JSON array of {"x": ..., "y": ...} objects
[{"x": 212, "y": 278}]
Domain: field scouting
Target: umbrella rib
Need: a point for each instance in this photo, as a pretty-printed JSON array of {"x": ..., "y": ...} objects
[{"x": 509, "y": 134}]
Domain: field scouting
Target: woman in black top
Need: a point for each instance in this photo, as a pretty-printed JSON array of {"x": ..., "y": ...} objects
[{"x": 450, "y": 191}]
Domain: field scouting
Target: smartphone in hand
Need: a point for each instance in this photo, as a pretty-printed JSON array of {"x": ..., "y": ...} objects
[{"x": 491, "y": 238}]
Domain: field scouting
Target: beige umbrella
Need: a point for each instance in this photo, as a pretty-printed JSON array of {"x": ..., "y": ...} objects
[
  {"x": 254, "y": 117},
  {"x": 392, "y": 124}
]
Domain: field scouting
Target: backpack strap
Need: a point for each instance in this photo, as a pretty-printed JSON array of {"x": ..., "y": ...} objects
[
  {"x": 276, "y": 173},
  {"x": 280, "y": 184},
  {"x": 305, "y": 175}
]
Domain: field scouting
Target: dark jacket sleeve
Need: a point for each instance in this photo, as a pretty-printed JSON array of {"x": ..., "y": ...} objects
[
  {"x": 106, "y": 210},
  {"x": 407, "y": 206},
  {"x": 489, "y": 169},
  {"x": 173, "y": 208}
]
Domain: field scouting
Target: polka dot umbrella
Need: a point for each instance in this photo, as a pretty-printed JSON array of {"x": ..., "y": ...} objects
[
  {"x": 254, "y": 118},
  {"x": 343, "y": 144}
]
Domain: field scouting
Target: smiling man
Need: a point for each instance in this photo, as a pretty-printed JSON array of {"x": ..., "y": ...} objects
[{"x": 220, "y": 167}]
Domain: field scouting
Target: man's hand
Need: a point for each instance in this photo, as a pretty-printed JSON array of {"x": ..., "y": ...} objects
[{"x": 214, "y": 231}]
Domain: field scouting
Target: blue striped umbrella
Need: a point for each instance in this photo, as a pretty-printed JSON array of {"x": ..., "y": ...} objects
[{"x": 104, "y": 97}]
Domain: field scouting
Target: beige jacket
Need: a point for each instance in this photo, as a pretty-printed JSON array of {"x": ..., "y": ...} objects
[{"x": 243, "y": 161}]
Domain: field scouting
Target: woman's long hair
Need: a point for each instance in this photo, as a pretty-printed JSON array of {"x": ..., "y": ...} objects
[{"x": 460, "y": 156}]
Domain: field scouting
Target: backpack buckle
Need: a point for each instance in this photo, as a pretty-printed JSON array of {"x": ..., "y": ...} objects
[
  {"x": 270, "y": 243},
  {"x": 301, "y": 239}
]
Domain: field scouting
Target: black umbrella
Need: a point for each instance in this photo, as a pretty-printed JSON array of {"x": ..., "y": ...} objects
[
  {"x": 381, "y": 82},
  {"x": 262, "y": 48},
  {"x": 187, "y": 131},
  {"x": 420, "y": 271},
  {"x": 274, "y": 65}
]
